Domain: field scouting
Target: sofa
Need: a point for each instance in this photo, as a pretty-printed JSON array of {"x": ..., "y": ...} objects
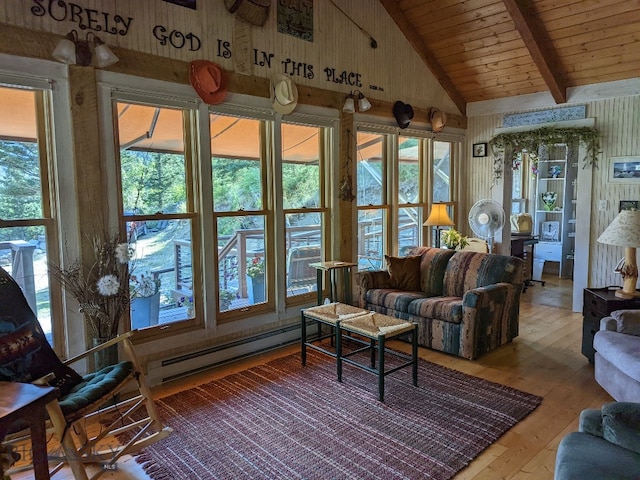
[
  {"x": 617, "y": 357},
  {"x": 465, "y": 303},
  {"x": 606, "y": 447}
]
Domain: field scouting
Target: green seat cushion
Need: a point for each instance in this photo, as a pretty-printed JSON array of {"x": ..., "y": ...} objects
[{"x": 94, "y": 386}]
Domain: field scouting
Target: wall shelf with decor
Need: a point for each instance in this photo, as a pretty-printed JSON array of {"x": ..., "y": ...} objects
[{"x": 555, "y": 213}]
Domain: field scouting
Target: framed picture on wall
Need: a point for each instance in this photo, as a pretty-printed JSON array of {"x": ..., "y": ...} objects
[
  {"x": 479, "y": 149},
  {"x": 550, "y": 231},
  {"x": 624, "y": 170},
  {"x": 628, "y": 205}
]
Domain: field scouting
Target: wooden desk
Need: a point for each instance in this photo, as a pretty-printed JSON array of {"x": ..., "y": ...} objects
[{"x": 24, "y": 401}]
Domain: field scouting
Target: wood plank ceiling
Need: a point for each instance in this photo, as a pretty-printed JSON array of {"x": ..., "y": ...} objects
[{"x": 490, "y": 49}]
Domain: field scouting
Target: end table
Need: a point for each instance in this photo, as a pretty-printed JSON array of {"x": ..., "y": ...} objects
[{"x": 332, "y": 267}]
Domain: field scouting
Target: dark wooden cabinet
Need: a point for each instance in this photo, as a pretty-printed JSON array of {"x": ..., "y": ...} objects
[{"x": 599, "y": 303}]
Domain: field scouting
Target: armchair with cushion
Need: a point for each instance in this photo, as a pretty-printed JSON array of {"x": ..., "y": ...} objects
[
  {"x": 617, "y": 357},
  {"x": 606, "y": 447},
  {"x": 94, "y": 410}
]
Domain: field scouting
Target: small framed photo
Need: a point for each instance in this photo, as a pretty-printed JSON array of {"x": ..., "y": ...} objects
[
  {"x": 479, "y": 149},
  {"x": 550, "y": 231},
  {"x": 628, "y": 205},
  {"x": 624, "y": 170}
]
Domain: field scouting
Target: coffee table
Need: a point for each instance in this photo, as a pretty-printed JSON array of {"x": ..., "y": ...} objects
[
  {"x": 329, "y": 314},
  {"x": 378, "y": 328}
]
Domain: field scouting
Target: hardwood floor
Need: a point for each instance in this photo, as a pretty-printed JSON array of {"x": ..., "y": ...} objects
[{"x": 545, "y": 360}]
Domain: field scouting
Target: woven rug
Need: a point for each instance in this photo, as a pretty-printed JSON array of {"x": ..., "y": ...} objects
[{"x": 284, "y": 421}]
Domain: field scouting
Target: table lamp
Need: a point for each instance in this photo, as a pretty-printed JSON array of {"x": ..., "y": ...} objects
[
  {"x": 624, "y": 231},
  {"x": 438, "y": 218}
]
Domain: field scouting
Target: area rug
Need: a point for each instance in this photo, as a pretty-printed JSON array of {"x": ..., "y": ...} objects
[{"x": 281, "y": 420}]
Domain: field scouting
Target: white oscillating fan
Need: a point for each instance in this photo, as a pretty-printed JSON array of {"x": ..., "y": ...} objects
[{"x": 486, "y": 219}]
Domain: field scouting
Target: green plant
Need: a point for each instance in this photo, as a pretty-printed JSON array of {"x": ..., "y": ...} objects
[
  {"x": 143, "y": 286},
  {"x": 530, "y": 141},
  {"x": 255, "y": 267},
  {"x": 452, "y": 239},
  {"x": 226, "y": 297}
]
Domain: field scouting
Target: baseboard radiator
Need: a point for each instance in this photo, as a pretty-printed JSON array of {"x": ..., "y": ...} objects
[{"x": 184, "y": 365}]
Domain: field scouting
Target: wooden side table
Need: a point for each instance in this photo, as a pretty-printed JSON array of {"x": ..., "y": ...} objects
[
  {"x": 25, "y": 401},
  {"x": 333, "y": 267},
  {"x": 599, "y": 303}
]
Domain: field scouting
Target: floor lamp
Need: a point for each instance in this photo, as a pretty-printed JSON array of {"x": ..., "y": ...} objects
[
  {"x": 438, "y": 218},
  {"x": 624, "y": 231}
]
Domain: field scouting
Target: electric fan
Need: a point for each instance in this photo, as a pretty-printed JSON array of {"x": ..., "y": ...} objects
[{"x": 486, "y": 219}]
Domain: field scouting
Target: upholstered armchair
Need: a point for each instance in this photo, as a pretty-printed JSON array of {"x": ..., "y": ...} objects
[
  {"x": 606, "y": 447},
  {"x": 617, "y": 357}
]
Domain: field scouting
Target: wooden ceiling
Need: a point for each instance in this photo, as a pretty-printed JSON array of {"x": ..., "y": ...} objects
[{"x": 490, "y": 49}]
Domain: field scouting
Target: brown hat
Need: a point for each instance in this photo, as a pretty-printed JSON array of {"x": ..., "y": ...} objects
[
  {"x": 207, "y": 80},
  {"x": 438, "y": 119},
  {"x": 403, "y": 113}
]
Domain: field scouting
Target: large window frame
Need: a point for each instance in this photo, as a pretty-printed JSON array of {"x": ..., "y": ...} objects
[{"x": 392, "y": 204}]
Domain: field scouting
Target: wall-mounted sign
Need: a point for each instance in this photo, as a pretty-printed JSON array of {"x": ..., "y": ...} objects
[
  {"x": 544, "y": 116},
  {"x": 184, "y": 3},
  {"x": 295, "y": 18}
]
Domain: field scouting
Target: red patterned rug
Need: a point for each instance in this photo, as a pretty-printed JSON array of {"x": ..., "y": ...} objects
[{"x": 284, "y": 421}]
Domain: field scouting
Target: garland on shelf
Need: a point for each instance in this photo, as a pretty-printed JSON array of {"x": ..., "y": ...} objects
[{"x": 530, "y": 141}]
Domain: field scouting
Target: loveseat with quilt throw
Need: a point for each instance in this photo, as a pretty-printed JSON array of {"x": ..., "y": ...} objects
[{"x": 465, "y": 303}]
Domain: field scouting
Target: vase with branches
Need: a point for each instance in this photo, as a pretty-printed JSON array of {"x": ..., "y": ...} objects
[{"x": 102, "y": 288}]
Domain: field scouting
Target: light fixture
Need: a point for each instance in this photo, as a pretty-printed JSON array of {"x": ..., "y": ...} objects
[
  {"x": 624, "y": 231},
  {"x": 72, "y": 50},
  {"x": 438, "y": 218},
  {"x": 350, "y": 103}
]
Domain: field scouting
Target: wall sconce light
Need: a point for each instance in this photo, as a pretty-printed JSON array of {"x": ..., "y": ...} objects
[
  {"x": 71, "y": 50},
  {"x": 350, "y": 103}
]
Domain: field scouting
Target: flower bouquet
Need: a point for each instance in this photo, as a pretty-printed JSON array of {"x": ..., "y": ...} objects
[
  {"x": 102, "y": 289},
  {"x": 452, "y": 239},
  {"x": 549, "y": 200},
  {"x": 143, "y": 286}
]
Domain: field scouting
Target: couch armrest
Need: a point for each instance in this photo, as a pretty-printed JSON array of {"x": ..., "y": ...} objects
[
  {"x": 370, "y": 279},
  {"x": 591, "y": 422},
  {"x": 487, "y": 318},
  {"x": 621, "y": 424}
]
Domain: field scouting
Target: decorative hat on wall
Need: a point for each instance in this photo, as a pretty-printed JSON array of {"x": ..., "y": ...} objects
[
  {"x": 254, "y": 12},
  {"x": 403, "y": 113},
  {"x": 207, "y": 80},
  {"x": 284, "y": 94},
  {"x": 438, "y": 119}
]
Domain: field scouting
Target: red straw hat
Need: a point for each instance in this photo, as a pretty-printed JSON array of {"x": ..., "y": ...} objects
[{"x": 207, "y": 80}]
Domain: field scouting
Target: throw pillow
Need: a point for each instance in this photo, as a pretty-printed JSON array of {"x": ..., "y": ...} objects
[
  {"x": 404, "y": 272},
  {"x": 25, "y": 353}
]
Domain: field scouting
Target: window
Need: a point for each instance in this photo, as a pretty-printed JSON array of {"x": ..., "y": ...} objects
[
  {"x": 158, "y": 211},
  {"x": 392, "y": 200},
  {"x": 303, "y": 207},
  {"x": 27, "y": 229},
  {"x": 242, "y": 219}
]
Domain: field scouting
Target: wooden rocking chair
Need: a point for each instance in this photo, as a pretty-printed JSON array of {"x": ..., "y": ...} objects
[{"x": 93, "y": 411}]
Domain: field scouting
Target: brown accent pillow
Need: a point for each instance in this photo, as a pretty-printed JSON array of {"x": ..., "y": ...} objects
[{"x": 404, "y": 272}]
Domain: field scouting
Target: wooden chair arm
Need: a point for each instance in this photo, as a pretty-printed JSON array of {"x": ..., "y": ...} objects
[{"x": 102, "y": 346}]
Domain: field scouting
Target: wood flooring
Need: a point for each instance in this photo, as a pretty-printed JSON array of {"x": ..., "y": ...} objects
[{"x": 545, "y": 359}]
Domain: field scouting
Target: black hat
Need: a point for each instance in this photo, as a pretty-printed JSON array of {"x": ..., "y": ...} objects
[{"x": 403, "y": 113}]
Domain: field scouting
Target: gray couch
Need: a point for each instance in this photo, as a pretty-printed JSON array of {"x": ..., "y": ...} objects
[
  {"x": 617, "y": 358},
  {"x": 606, "y": 447}
]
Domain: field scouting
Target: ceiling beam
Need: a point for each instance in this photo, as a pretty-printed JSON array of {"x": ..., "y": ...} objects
[
  {"x": 539, "y": 46},
  {"x": 421, "y": 49}
]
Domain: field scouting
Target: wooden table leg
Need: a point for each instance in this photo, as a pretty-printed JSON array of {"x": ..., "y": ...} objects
[{"x": 39, "y": 443}]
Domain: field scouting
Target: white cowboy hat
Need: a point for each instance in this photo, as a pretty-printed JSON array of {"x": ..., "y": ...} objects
[{"x": 284, "y": 94}]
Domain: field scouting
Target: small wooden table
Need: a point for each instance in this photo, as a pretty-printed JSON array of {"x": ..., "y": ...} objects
[
  {"x": 332, "y": 267},
  {"x": 25, "y": 401}
]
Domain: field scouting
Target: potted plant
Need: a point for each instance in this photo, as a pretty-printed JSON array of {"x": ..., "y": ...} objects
[
  {"x": 452, "y": 239},
  {"x": 255, "y": 279},
  {"x": 145, "y": 300},
  {"x": 226, "y": 297}
]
